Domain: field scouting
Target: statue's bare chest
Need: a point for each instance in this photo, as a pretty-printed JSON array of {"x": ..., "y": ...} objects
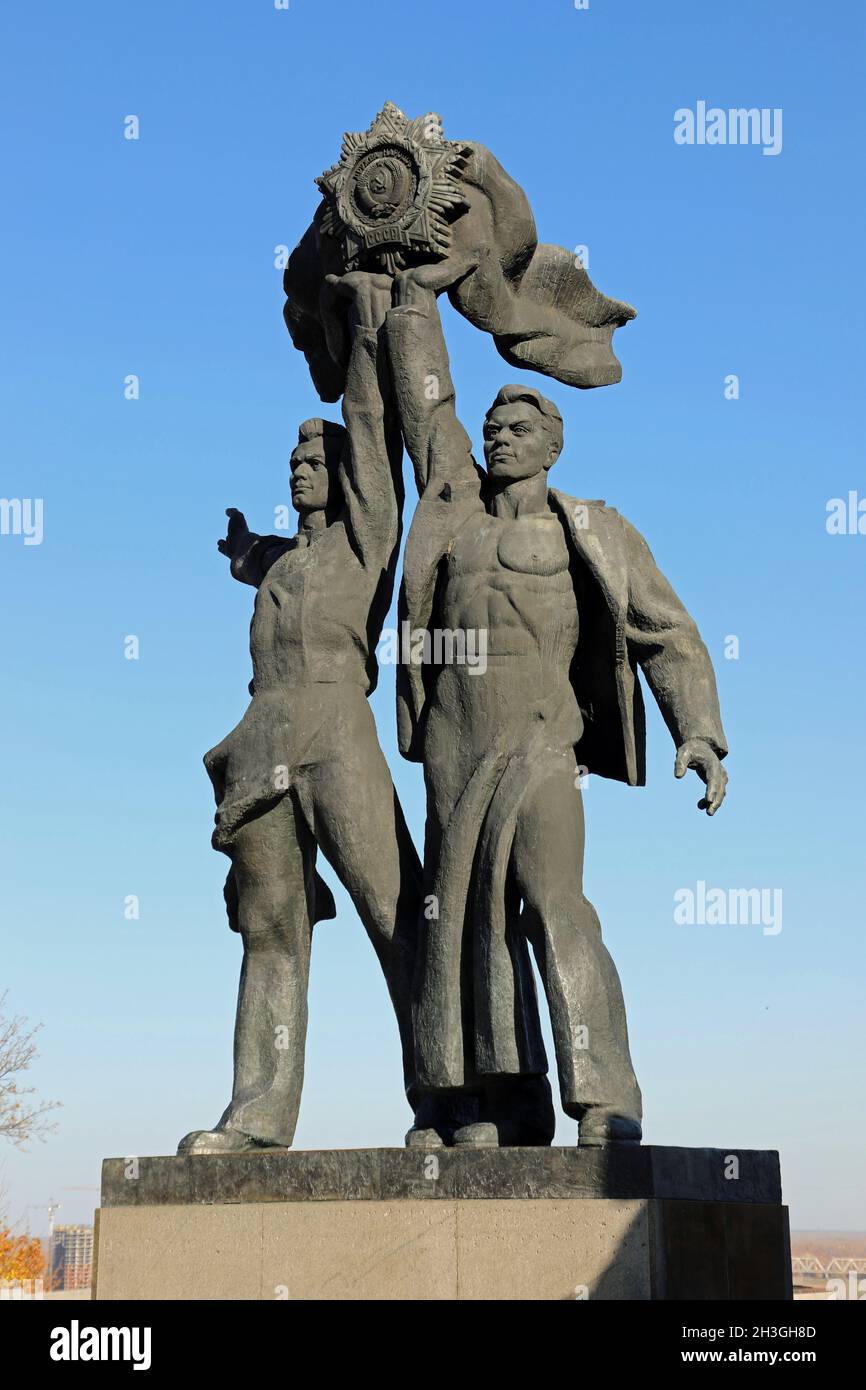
[
  {"x": 513, "y": 575},
  {"x": 515, "y": 552}
]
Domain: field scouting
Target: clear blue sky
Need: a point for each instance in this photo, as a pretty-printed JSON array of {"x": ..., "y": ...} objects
[{"x": 156, "y": 257}]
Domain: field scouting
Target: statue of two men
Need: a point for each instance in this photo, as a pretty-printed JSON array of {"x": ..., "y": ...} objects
[{"x": 572, "y": 604}]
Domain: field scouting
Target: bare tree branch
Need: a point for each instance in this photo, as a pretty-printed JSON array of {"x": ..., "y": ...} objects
[{"x": 20, "y": 1119}]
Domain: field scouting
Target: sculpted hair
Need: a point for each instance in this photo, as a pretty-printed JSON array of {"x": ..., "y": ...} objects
[
  {"x": 333, "y": 438},
  {"x": 550, "y": 416}
]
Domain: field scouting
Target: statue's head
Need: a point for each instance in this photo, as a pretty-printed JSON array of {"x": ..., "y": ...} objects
[
  {"x": 522, "y": 435},
  {"x": 314, "y": 464}
]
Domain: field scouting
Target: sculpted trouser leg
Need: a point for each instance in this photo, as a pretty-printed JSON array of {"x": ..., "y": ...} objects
[
  {"x": 580, "y": 979},
  {"x": 359, "y": 826},
  {"x": 273, "y": 857}
]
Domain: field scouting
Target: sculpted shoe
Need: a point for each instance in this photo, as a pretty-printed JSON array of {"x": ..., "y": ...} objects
[
  {"x": 482, "y": 1135},
  {"x": 602, "y": 1128},
  {"x": 221, "y": 1141},
  {"x": 439, "y": 1116},
  {"x": 424, "y": 1139},
  {"x": 521, "y": 1108}
]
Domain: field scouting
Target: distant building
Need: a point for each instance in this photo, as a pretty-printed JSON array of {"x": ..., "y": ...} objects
[{"x": 70, "y": 1257}]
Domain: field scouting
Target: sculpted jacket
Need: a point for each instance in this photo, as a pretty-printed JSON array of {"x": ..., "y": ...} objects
[
  {"x": 475, "y": 1006},
  {"x": 631, "y": 618}
]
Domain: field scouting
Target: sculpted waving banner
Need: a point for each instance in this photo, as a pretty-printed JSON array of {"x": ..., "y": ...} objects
[{"x": 402, "y": 195}]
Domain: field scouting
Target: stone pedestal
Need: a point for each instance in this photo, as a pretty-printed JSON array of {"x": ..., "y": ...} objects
[{"x": 642, "y": 1223}]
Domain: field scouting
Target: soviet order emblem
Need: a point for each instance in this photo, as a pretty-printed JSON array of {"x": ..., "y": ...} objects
[{"x": 394, "y": 193}]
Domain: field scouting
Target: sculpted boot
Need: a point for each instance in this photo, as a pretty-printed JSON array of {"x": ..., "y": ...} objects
[
  {"x": 601, "y": 1127},
  {"x": 441, "y": 1116},
  {"x": 221, "y": 1141}
]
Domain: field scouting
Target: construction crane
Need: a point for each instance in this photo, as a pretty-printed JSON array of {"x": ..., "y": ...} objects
[{"x": 51, "y": 1207}]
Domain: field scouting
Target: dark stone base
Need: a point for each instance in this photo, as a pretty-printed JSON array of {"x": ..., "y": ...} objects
[
  {"x": 357, "y": 1175},
  {"x": 627, "y": 1224}
]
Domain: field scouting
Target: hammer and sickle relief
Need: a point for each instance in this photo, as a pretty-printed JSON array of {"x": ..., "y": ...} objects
[{"x": 381, "y": 188}]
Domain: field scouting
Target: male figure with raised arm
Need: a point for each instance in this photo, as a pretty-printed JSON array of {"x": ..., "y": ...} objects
[
  {"x": 303, "y": 770},
  {"x": 573, "y": 605}
]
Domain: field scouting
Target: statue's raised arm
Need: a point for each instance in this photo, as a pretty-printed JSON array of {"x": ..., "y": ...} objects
[{"x": 437, "y": 443}]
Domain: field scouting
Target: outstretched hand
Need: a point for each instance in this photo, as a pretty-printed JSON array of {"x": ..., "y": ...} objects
[
  {"x": 236, "y": 534},
  {"x": 698, "y": 754}
]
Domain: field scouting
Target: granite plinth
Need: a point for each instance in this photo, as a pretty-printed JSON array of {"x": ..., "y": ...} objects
[{"x": 359, "y": 1224}]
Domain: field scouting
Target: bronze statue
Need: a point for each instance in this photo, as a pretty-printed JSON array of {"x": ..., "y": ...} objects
[
  {"x": 572, "y": 604},
  {"x": 303, "y": 769}
]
